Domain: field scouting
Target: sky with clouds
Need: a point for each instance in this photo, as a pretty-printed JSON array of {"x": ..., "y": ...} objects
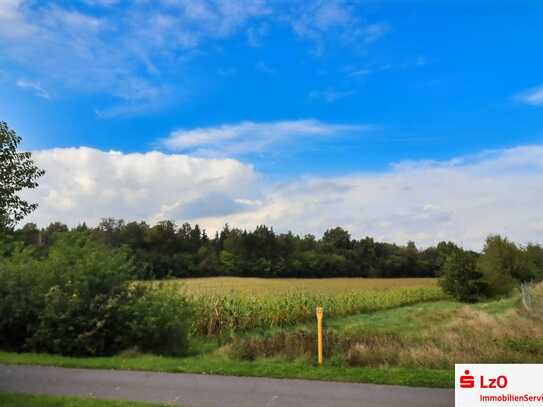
[{"x": 400, "y": 120}]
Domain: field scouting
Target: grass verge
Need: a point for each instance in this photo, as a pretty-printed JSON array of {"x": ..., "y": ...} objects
[
  {"x": 222, "y": 365},
  {"x": 24, "y": 400}
]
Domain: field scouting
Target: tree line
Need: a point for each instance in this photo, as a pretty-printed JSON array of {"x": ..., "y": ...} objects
[{"x": 164, "y": 250}]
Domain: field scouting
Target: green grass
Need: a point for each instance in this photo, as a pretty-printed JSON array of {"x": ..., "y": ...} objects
[
  {"x": 430, "y": 335},
  {"x": 404, "y": 320},
  {"x": 23, "y": 400},
  {"x": 400, "y": 321},
  {"x": 413, "y": 319},
  {"x": 217, "y": 363}
]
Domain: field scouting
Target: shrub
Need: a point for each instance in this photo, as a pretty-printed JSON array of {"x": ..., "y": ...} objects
[
  {"x": 502, "y": 266},
  {"x": 21, "y": 300},
  {"x": 79, "y": 301},
  {"x": 160, "y": 322},
  {"x": 461, "y": 277}
]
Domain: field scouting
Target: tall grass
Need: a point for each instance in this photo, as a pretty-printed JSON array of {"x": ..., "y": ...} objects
[
  {"x": 468, "y": 335},
  {"x": 218, "y": 315}
]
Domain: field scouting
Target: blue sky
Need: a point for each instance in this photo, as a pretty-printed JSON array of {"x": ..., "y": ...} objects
[{"x": 291, "y": 90}]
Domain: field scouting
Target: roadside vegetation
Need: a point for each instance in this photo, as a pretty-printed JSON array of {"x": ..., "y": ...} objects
[
  {"x": 23, "y": 400},
  {"x": 433, "y": 335},
  {"x": 414, "y": 345},
  {"x": 79, "y": 301}
]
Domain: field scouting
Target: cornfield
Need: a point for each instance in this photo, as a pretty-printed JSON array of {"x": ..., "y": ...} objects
[
  {"x": 280, "y": 286},
  {"x": 216, "y": 315}
]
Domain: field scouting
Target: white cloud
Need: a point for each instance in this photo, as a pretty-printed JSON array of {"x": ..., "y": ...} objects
[
  {"x": 329, "y": 95},
  {"x": 9, "y": 9},
  {"x": 418, "y": 62},
  {"x": 264, "y": 68},
  {"x": 99, "y": 46},
  {"x": 74, "y": 49},
  {"x": 12, "y": 23},
  {"x": 360, "y": 72},
  {"x": 34, "y": 86},
  {"x": 320, "y": 20},
  {"x": 101, "y": 3},
  {"x": 532, "y": 96},
  {"x": 463, "y": 199},
  {"x": 248, "y": 137},
  {"x": 374, "y": 32},
  {"x": 85, "y": 184},
  {"x": 256, "y": 34}
]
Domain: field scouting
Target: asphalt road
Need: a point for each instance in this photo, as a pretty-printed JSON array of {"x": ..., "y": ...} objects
[{"x": 193, "y": 390}]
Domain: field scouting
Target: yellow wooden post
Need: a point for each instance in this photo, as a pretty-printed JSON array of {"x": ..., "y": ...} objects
[{"x": 320, "y": 313}]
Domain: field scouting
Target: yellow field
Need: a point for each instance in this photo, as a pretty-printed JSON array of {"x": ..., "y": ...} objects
[{"x": 262, "y": 286}]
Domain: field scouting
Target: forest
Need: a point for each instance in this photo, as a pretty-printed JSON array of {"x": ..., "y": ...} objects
[{"x": 165, "y": 250}]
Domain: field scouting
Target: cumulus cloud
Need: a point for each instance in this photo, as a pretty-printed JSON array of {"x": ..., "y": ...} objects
[
  {"x": 463, "y": 199},
  {"x": 249, "y": 137},
  {"x": 532, "y": 96},
  {"x": 85, "y": 184}
]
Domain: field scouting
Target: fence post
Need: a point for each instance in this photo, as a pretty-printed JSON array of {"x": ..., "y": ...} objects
[
  {"x": 526, "y": 296},
  {"x": 320, "y": 313}
]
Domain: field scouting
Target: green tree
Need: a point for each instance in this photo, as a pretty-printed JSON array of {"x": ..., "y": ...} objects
[
  {"x": 533, "y": 256},
  {"x": 502, "y": 265},
  {"x": 337, "y": 238},
  {"x": 461, "y": 277},
  {"x": 17, "y": 172}
]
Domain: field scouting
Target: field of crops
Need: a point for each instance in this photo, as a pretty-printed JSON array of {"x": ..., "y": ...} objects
[
  {"x": 279, "y": 286},
  {"x": 219, "y": 314},
  {"x": 225, "y": 305}
]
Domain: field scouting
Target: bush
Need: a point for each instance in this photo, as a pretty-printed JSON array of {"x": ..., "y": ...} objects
[
  {"x": 84, "y": 302},
  {"x": 461, "y": 277},
  {"x": 21, "y": 300},
  {"x": 78, "y": 301},
  {"x": 503, "y": 266},
  {"x": 160, "y": 322}
]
